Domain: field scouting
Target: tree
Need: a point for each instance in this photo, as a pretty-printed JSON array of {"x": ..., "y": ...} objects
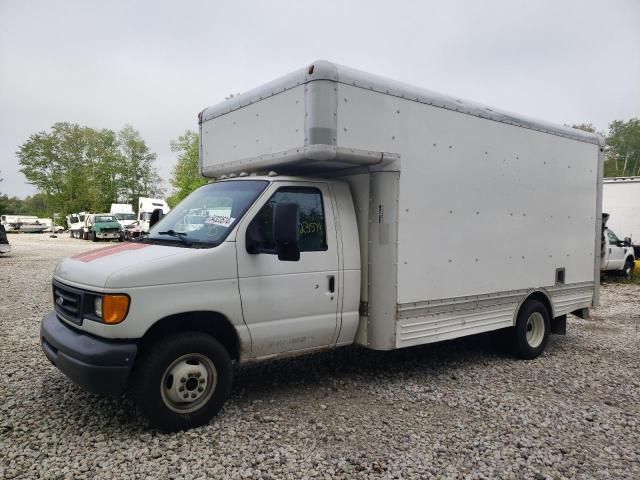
[
  {"x": 54, "y": 163},
  {"x": 185, "y": 176},
  {"x": 78, "y": 168},
  {"x": 139, "y": 175},
  {"x": 623, "y": 149}
]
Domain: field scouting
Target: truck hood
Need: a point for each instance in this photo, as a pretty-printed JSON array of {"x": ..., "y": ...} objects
[
  {"x": 128, "y": 265},
  {"x": 101, "y": 225}
]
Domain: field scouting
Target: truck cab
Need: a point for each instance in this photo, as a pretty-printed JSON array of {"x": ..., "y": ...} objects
[
  {"x": 146, "y": 207},
  {"x": 102, "y": 226},
  {"x": 241, "y": 275},
  {"x": 617, "y": 255},
  {"x": 76, "y": 224}
]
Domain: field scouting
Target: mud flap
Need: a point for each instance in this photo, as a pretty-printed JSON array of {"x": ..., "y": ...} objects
[{"x": 559, "y": 325}]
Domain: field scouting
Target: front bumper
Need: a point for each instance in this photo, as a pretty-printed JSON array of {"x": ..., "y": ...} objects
[
  {"x": 98, "y": 365},
  {"x": 108, "y": 235}
]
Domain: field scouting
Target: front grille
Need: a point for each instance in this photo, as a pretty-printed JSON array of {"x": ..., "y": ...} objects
[
  {"x": 67, "y": 302},
  {"x": 109, "y": 230}
]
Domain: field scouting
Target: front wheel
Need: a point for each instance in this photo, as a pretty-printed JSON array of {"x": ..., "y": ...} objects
[
  {"x": 93, "y": 237},
  {"x": 627, "y": 271},
  {"x": 531, "y": 331},
  {"x": 183, "y": 381}
]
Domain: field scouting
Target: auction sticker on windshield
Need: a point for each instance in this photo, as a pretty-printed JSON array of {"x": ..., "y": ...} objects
[{"x": 219, "y": 220}]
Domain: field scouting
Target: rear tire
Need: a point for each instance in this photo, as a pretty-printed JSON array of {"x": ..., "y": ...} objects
[
  {"x": 183, "y": 381},
  {"x": 531, "y": 332}
]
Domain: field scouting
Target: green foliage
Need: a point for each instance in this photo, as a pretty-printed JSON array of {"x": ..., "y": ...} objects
[
  {"x": 587, "y": 127},
  {"x": 79, "y": 168},
  {"x": 32, "y": 205},
  {"x": 185, "y": 177},
  {"x": 623, "y": 149}
]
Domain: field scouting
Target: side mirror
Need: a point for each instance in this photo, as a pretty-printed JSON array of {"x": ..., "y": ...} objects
[
  {"x": 155, "y": 217},
  {"x": 286, "y": 236},
  {"x": 627, "y": 241}
]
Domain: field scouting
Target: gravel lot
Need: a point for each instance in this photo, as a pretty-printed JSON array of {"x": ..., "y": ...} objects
[{"x": 453, "y": 410}]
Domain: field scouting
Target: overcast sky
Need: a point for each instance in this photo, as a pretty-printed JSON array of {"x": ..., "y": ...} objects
[{"x": 156, "y": 64}]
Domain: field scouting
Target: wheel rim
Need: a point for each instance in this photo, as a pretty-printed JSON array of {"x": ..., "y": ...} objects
[
  {"x": 535, "y": 329},
  {"x": 188, "y": 383}
]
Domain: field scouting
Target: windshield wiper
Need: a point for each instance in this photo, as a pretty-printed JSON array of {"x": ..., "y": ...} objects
[{"x": 179, "y": 235}]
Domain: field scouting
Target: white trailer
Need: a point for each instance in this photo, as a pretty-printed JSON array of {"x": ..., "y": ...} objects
[
  {"x": 146, "y": 206},
  {"x": 621, "y": 200},
  {"x": 349, "y": 209}
]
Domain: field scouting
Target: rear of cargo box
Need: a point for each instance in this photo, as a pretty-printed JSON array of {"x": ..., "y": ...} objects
[{"x": 463, "y": 211}]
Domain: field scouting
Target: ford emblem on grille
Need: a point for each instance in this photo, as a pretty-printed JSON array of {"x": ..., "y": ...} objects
[{"x": 60, "y": 301}]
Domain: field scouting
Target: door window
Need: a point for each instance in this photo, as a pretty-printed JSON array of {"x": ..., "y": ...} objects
[
  {"x": 312, "y": 229},
  {"x": 613, "y": 239}
]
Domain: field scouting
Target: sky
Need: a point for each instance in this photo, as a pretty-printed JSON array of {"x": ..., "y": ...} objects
[{"x": 156, "y": 64}]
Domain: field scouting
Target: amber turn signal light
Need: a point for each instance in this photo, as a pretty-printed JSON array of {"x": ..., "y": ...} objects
[{"x": 114, "y": 308}]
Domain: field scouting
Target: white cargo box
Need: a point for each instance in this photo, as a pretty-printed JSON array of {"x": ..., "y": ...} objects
[
  {"x": 621, "y": 200},
  {"x": 463, "y": 210}
]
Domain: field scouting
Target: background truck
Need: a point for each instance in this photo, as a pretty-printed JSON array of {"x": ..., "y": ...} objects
[
  {"x": 75, "y": 224},
  {"x": 124, "y": 214},
  {"x": 344, "y": 211},
  {"x": 102, "y": 226},
  {"x": 621, "y": 200},
  {"x": 146, "y": 206},
  {"x": 617, "y": 254}
]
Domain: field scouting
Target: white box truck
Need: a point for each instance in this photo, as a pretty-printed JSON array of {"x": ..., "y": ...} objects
[
  {"x": 355, "y": 210},
  {"x": 621, "y": 200},
  {"x": 124, "y": 214}
]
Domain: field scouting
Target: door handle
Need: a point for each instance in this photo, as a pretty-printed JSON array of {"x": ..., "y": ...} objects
[
  {"x": 609, "y": 250},
  {"x": 332, "y": 283}
]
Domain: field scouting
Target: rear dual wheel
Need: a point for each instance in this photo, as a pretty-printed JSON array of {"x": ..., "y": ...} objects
[
  {"x": 530, "y": 335},
  {"x": 183, "y": 381}
]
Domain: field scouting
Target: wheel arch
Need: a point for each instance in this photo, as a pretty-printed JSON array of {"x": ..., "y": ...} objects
[
  {"x": 213, "y": 323},
  {"x": 542, "y": 296}
]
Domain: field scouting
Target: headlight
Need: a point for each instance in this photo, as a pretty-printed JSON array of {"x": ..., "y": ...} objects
[
  {"x": 112, "y": 309},
  {"x": 98, "y": 306}
]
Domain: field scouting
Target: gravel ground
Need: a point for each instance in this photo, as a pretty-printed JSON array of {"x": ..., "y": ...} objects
[{"x": 453, "y": 410}]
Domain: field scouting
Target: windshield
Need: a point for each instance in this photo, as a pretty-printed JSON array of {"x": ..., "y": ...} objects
[
  {"x": 104, "y": 219},
  {"x": 125, "y": 216},
  {"x": 208, "y": 214}
]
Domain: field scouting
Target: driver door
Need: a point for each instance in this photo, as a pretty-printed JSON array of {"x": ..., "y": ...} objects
[
  {"x": 615, "y": 253},
  {"x": 290, "y": 305}
]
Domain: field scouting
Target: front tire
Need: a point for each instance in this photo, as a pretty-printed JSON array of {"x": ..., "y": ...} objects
[
  {"x": 183, "y": 381},
  {"x": 93, "y": 237},
  {"x": 531, "y": 332},
  {"x": 627, "y": 271}
]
